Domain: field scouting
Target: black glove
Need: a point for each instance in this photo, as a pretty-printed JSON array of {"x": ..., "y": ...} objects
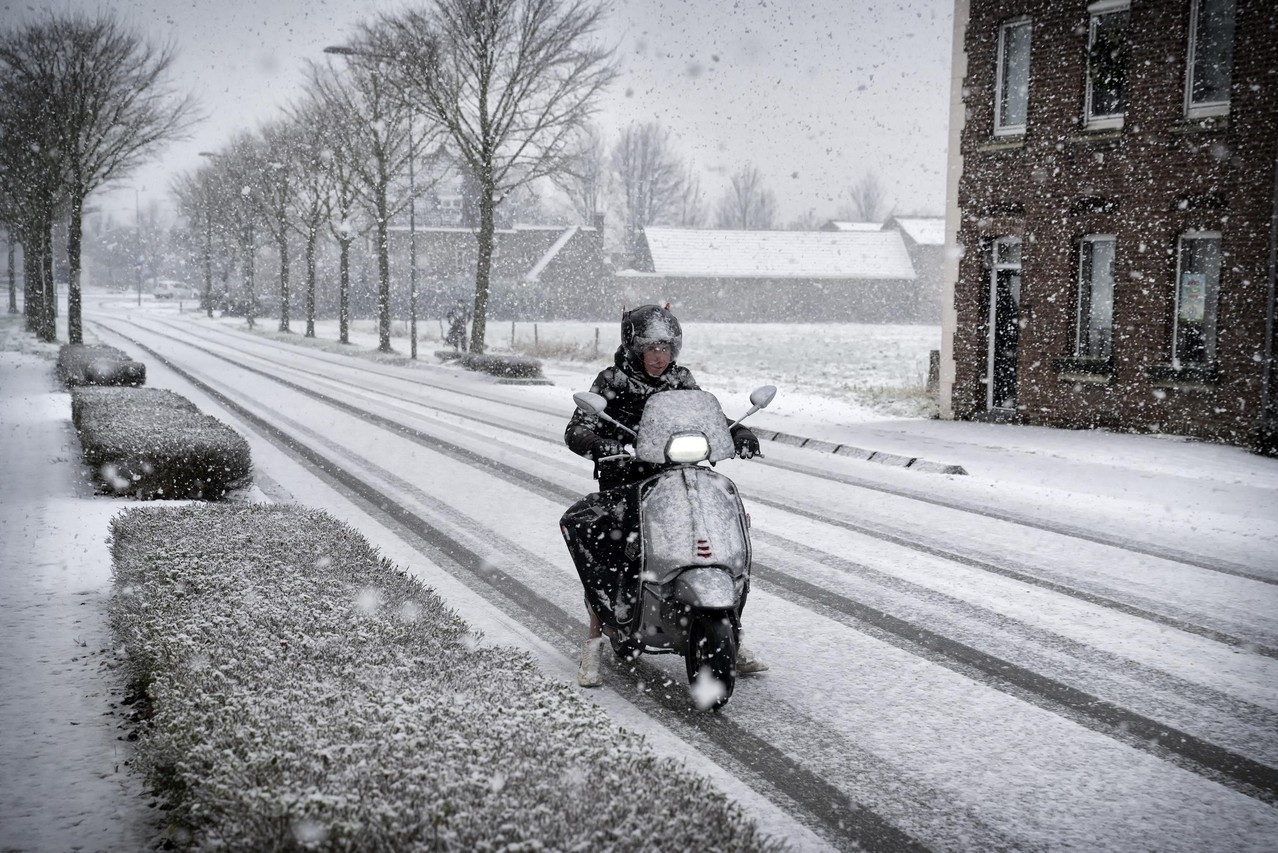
[
  {"x": 747, "y": 445},
  {"x": 606, "y": 447}
]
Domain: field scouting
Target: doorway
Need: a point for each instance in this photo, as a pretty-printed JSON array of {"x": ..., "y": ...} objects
[{"x": 1004, "y": 325}]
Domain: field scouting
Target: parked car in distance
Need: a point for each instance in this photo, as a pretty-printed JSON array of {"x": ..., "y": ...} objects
[{"x": 167, "y": 288}]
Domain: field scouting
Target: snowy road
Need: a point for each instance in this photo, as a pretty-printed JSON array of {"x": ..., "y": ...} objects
[{"x": 951, "y": 669}]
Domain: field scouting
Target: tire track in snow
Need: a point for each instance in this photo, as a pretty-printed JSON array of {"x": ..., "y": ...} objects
[
  {"x": 1167, "y": 742},
  {"x": 1021, "y": 573},
  {"x": 1148, "y": 549},
  {"x": 852, "y": 826}
]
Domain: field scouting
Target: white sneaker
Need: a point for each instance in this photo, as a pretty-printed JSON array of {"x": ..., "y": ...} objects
[
  {"x": 747, "y": 663},
  {"x": 588, "y": 673}
]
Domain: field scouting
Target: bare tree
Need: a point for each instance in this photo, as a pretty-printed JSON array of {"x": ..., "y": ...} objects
[
  {"x": 806, "y": 221},
  {"x": 315, "y": 183},
  {"x": 511, "y": 81},
  {"x": 648, "y": 179},
  {"x": 868, "y": 200},
  {"x": 584, "y": 175},
  {"x": 691, "y": 206},
  {"x": 747, "y": 204},
  {"x": 105, "y": 88},
  {"x": 376, "y": 131}
]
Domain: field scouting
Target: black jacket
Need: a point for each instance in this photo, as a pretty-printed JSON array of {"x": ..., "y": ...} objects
[{"x": 627, "y": 388}]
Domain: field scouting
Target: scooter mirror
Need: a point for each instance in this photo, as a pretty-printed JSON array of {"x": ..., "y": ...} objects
[
  {"x": 760, "y": 397},
  {"x": 590, "y": 402}
]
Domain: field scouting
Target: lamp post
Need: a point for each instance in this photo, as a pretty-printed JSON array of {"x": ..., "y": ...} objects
[
  {"x": 346, "y": 50},
  {"x": 137, "y": 224},
  {"x": 208, "y": 245}
]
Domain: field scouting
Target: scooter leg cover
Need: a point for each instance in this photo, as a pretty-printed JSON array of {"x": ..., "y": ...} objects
[{"x": 596, "y": 532}]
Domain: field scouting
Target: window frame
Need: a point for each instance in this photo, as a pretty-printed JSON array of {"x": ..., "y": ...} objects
[
  {"x": 1206, "y": 109},
  {"x": 1085, "y": 304},
  {"x": 1000, "y": 66},
  {"x": 1211, "y": 296},
  {"x": 1095, "y": 12}
]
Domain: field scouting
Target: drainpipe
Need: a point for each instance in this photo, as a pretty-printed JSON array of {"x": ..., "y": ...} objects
[{"x": 1266, "y": 432}]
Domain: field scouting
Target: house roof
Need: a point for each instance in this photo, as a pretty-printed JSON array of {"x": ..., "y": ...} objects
[
  {"x": 924, "y": 230},
  {"x": 706, "y": 253},
  {"x": 846, "y": 225},
  {"x": 549, "y": 256}
]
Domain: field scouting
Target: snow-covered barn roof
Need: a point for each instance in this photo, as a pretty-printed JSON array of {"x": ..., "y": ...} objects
[
  {"x": 710, "y": 253},
  {"x": 924, "y": 230},
  {"x": 846, "y": 225}
]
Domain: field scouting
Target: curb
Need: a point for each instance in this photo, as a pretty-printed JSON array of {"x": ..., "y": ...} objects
[{"x": 911, "y": 462}]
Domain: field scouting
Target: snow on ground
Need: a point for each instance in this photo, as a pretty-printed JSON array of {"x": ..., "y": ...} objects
[
  {"x": 60, "y": 782},
  {"x": 63, "y": 782}
]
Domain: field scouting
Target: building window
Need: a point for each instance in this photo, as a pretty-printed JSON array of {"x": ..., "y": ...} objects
[
  {"x": 1095, "y": 297},
  {"x": 1211, "y": 58},
  {"x": 1012, "y": 85},
  {"x": 1197, "y": 290},
  {"x": 1107, "y": 50}
]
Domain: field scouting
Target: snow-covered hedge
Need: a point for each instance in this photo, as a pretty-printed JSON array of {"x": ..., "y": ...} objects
[
  {"x": 98, "y": 364},
  {"x": 306, "y": 694},
  {"x": 152, "y": 443}
]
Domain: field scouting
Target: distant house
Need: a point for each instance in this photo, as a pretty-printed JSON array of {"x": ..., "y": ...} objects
[
  {"x": 539, "y": 272},
  {"x": 925, "y": 241},
  {"x": 769, "y": 276},
  {"x": 1115, "y": 203}
]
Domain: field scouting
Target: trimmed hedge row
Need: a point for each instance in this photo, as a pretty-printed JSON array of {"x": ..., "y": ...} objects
[
  {"x": 510, "y": 366},
  {"x": 305, "y": 693},
  {"x": 98, "y": 364},
  {"x": 151, "y": 443}
]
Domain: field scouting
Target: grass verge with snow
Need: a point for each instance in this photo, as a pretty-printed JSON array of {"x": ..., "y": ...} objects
[
  {"x": 150, "y": 443},
  {"x": 307, "y": 694}
]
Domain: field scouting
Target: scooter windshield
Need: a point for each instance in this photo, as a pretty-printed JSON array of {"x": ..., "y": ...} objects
[{"x": 671, "y": 413}]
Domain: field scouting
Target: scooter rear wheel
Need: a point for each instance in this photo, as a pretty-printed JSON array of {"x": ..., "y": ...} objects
[{"x": 712, "y": 646}]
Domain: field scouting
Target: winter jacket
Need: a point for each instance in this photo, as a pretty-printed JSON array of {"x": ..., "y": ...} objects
[{"x": 626, "y": 387}]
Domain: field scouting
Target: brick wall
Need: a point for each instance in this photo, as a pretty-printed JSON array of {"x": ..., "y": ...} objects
[{"x": 1146, "y": 183}]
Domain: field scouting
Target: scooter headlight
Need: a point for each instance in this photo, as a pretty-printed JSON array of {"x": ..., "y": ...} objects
[{"x": 688, "y": 447}]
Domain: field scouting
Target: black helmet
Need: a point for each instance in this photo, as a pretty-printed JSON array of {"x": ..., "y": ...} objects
[{"x": 647, "y": 325}]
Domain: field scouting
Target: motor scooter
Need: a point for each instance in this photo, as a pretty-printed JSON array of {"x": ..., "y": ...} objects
[{"x": 666, "y": 559}]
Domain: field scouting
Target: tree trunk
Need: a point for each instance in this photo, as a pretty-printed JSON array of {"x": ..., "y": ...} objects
[
  {"x": 311, "y": 237},
  {"x": 483, "y": 268},
  {"x": 208, "y": 262},
  {"x": 32, "y": 289},
  {"x": 74, "y": 239},
  {"x": 48, "y": 325},
  {"x": 13, "y": 277},
  {"x": 383, "y": 277},
  {"x": 344, "y": 292},
  {"x": 284, "y": 302}
]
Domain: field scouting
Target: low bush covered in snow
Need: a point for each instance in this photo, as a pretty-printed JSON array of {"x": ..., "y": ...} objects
[
  {"x": 98, "y": 364},
  {"x": 305, "y": 693},
  {"x": 151, "y": 443}
]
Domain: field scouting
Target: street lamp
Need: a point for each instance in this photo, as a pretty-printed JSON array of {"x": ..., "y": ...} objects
[
  {"x": 137, "y": 224},
  {"x": 208, "y": 244},
  {"x": 346, "y": 50}
]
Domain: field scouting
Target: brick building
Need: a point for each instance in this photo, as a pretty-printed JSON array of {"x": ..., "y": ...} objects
[{"x": 1113, "y": 189}]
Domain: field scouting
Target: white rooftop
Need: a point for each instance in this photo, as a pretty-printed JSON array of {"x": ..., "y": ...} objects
[
  {"x": 846, "y": 225},
  {"x": 924, "y": 230},
  {"x": 698, "y": 253}
]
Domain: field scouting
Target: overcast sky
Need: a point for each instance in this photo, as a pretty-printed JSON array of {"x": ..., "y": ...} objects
[{"x": 814, "y": 93}]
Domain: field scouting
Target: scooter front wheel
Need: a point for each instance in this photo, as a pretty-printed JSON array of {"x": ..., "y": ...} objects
[{"x": 711, "y": 659}]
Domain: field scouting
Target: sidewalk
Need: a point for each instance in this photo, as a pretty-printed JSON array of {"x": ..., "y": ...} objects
[{"x": 63, "y": 780}]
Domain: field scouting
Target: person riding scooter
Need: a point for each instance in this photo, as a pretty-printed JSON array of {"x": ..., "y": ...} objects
[{"x": 644, "y": 364}]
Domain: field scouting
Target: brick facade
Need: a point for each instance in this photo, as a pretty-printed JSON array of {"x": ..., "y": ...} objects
[{"x": 1157, "y": 177}]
